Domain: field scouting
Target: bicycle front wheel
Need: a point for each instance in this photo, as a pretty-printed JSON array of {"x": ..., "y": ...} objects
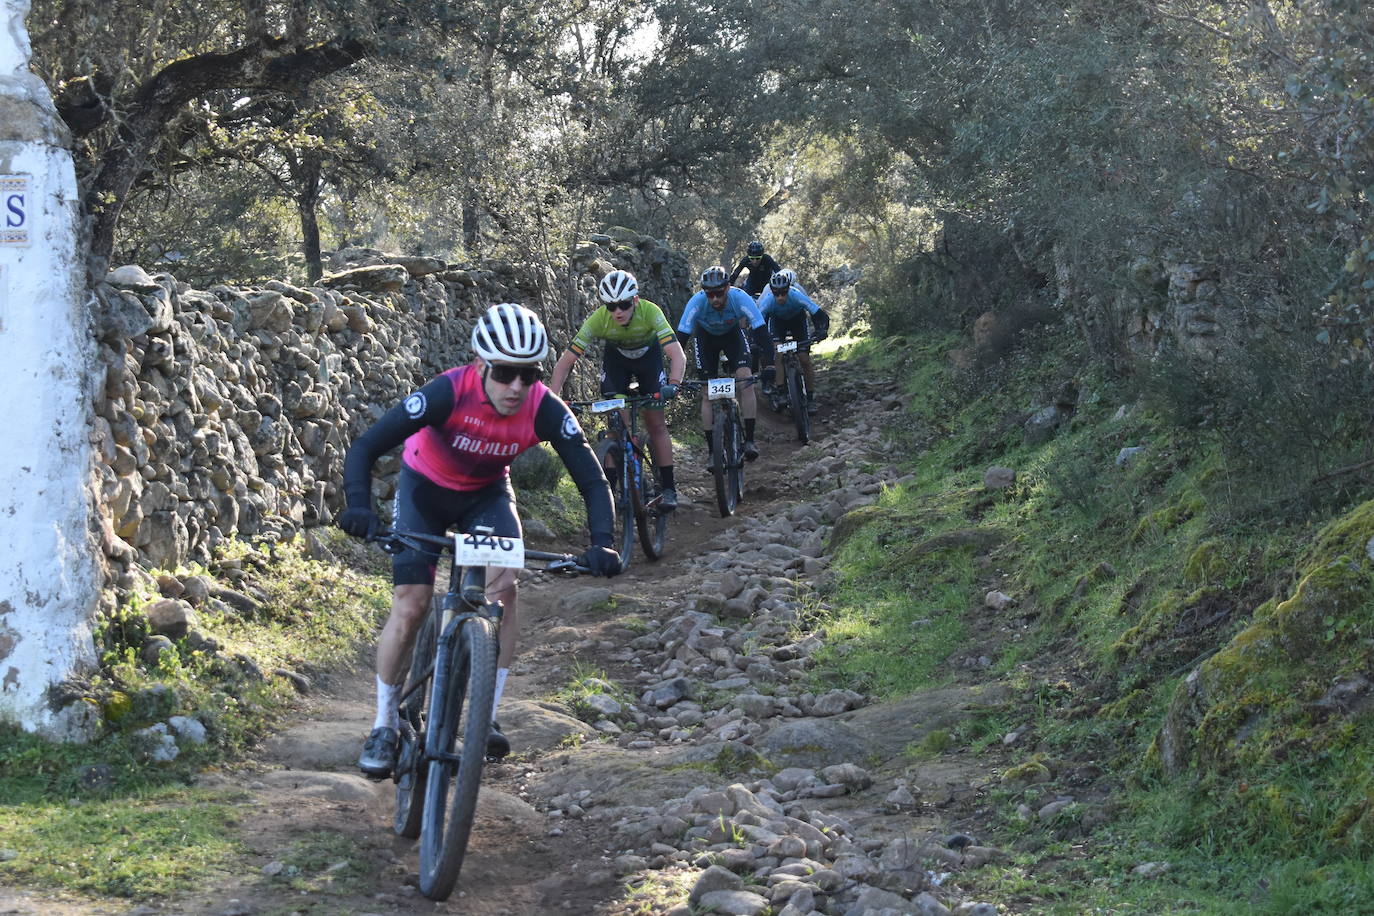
[
  {"x": 649, "y": 519},
  {"x": 796, "y": 395},
  {"x": 625, "y": 509},
  {"x": 736, "y": 457},
  {"x": 722, "y": 456},
  {"x": 464, "y": 688}
]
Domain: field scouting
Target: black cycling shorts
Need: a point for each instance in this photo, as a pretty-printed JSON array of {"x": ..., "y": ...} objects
[
  {"x": 797, "y": 327},
  {"x": 422, "y": 505},
  {"x": 708, "y": 348},
  {"x": 618, "y": 370}
]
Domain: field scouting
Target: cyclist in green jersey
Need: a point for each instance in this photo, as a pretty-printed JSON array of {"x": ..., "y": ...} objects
[{"x": 637, "y": 337}]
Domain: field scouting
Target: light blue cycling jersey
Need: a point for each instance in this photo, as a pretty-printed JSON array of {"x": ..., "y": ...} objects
[
  {"x": 698, "y": 314},
  {"x": 796, "y": 300}
]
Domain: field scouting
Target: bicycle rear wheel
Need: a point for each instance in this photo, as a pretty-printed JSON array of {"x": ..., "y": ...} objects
[
  {"x": 652, "y": 523},
  {"x": 722, "y": 457},
  {"x": 464, "y": 688},
  {"x": 796, "y": 395},
  {"x": 410, "y": 769}
]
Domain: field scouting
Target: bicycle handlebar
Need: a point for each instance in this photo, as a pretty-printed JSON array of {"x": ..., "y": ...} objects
[
  {"x": 698, "y": 384},
  {"x": 393, "y": 542},
  {"x": 637, "y": 400}
]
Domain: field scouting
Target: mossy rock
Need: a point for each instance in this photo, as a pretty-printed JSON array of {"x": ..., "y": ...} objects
[
  {"x": 1162, "y": 521},
  {"x": 1174, "y": 616},
  {"x": 1350, "y": 536},
  {"x": 1030, "y": 773},
  {"x": 1209, "y": 562},
  {"x": 1259, "y": 692},
  {"x": 978, "y": 540},
  {"x": 849, "y": 524},
  {"x": 116, "y": 706}
]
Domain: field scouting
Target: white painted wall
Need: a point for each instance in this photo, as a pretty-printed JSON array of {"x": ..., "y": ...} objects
[{"x": 49, "y": 582}]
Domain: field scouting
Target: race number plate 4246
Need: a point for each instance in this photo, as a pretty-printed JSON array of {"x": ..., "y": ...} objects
[
  {"x": 718, "y": 388},
  {"x": 489, "y": 550},
  {"x": 787, "y": 347}
]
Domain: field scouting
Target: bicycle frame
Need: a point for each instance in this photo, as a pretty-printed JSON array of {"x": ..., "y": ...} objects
[
  {"x": 636, "y": 492},
  {"x": 436, "y": 785}
]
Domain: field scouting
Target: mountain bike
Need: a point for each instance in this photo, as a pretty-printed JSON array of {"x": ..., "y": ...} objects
[
  {"x": 630, "y": 468},
  {"x": 727, "y": 439},
  {"x": 797, "y": 395},
  {"x": 446, "y": 704}
]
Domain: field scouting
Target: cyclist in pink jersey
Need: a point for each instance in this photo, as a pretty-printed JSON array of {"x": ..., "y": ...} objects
[{"x": 461, "y": 431}]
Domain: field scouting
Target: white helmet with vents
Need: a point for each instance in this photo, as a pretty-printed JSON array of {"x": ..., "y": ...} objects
[
  {"x": 618, "y": 286},
  {"x": 510, "y": 333}
]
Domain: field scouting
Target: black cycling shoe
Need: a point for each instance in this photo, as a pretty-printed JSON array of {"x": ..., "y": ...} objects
[
  {"x": 667, "y": 500},
  {"x": 498, "y": 745},
  {"x": 751, "y": 451},
  {"x": 378, "y": 758}
]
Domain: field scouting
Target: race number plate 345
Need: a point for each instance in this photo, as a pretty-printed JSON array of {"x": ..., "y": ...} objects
[
  {"x": 489, "y": 550},
  {"x": 718, "y": 388}
]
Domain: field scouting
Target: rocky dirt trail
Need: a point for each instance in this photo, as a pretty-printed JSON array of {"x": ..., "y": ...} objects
[{"x": 710, "y": 781}]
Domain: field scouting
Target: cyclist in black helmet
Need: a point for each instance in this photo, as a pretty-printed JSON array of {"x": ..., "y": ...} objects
[{"x": 761, "y": 268}]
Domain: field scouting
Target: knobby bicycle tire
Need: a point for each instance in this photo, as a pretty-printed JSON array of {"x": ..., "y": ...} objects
[
  {"x": 625, "y": 507},
  {"x": 410, "y": 784},
  {"x": 651, "y": 522},
  {"x": 464, "y": 691},
  {"x": 796, "y": 395},
  {"x": 736, "y": 455},
  {"x": 721, "y": 441}
]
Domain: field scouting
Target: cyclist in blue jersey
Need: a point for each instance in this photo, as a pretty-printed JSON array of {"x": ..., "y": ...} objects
[
  {"x": 761, "y": 268},
  {"x": 715, "y": 318},
  {"x": 786, "y": 307}
]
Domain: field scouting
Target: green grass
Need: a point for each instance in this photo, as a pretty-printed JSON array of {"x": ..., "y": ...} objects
[
  {"x": 586, "y": 681},
  {"x": 99, "y": 818},
  {"x": 1133, "y": 576},
  {"x": 324, "y": 862},
  {"x": 150, "y": 843}
]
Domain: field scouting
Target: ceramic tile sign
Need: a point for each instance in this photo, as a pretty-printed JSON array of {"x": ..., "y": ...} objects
[{"x": 15, "y": 200}]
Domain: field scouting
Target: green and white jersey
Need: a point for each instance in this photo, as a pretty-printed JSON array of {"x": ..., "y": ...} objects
[{"x": 646, "y": 326}]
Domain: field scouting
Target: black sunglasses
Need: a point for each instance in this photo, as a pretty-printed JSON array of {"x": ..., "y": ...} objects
[
  {"x": 504, "y": 375},
  {"x": 716, "y": 293},
  {"x": 621, "y": 306}
]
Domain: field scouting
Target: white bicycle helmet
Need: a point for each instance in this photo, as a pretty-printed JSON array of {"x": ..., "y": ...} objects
[
  {"x": 714, "y": 278},
  {"x": 780, "y": 280},
  {"x": 618, "y": 286},
  {"x": 510, "y": 333}
]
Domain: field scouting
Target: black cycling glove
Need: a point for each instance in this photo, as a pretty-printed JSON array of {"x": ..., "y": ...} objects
[
  {"x": 602, "y": 561},
  {"x": 359, "y": 522},
  {"x": 822, "y": 322}
]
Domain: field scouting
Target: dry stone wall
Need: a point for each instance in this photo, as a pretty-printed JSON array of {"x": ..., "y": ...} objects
[{"x": 227, "y": 411}]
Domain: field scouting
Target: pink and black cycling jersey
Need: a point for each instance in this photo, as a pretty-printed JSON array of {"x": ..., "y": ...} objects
[
  {"x": 456, "y": 439},
  {"x": 474, "y": 447}
]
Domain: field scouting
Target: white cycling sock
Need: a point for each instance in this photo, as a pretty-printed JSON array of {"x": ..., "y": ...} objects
[
  {"x": 501, "y": 674},
  {"x": 388, "y": 705}
]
